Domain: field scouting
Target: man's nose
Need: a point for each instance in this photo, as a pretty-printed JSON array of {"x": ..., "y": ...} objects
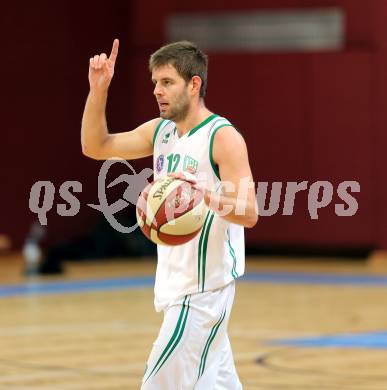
[{"x": 157, "y": 90}]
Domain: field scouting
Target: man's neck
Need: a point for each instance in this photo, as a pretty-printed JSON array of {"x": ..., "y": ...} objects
[{"x": 194, "y": 118}]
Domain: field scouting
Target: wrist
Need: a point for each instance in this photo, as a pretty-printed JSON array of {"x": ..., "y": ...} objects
[
  {"x": 96, "y": 95},
  {"x": 207, "y": 197}
]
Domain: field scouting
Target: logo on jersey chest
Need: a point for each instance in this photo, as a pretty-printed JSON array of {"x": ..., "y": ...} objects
[
  {"x": 190, "y": 164},
  {"x": 160, "y": 163},
  {"x": 166, "y": 138}
]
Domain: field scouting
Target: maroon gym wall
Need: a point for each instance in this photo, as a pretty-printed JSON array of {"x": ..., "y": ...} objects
[{"x": 311, "y": 117}]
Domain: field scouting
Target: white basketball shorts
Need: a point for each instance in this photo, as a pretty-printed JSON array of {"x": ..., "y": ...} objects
[{"x": 192, "y": 350}]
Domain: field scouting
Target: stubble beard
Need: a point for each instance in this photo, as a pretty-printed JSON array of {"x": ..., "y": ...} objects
[{"x": 179, "y": 111}]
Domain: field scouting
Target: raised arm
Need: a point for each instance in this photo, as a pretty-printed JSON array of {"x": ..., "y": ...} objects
[{"x": 96, "y": 141}]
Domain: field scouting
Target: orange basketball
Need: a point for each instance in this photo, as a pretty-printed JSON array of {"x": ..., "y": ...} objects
[{"x": 170, "y": 211}]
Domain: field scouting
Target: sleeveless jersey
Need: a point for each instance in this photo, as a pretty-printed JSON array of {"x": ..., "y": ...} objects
[{"x": 216, "y": 256}]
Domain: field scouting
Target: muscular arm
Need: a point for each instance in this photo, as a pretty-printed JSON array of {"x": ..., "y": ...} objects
[
  {"x": 96, "y": 141},
  {"x": 230, "y": 154}
]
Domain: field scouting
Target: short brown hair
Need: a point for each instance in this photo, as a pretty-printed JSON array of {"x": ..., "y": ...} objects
[{"x": 187, "y": 59}]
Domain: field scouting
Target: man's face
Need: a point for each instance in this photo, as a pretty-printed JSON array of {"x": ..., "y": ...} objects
[{"x": 171, "y": 92}]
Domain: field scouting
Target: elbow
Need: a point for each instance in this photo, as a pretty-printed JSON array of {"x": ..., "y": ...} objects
[
  {"x": 252, "y": 216},
  {"x": 90, "y": 153},
  {"x": 251, "y": 221},
  {"x": 87, "y": 152}
]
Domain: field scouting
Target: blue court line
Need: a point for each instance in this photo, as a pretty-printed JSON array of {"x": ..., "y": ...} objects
[
  {"x": 374, "y": 340},
  {"x": 316, "y": 278},
  {"x": 62, "y": 287}
]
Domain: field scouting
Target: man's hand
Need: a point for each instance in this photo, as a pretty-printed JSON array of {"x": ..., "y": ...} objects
[
  {"x": 101, "y": 69},
  {"x": 190, "y": 178},
  {"x": 183, "y": 176}
]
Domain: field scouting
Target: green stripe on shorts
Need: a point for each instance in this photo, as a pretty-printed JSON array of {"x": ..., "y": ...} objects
[
  {"x": 210, "y": 339},
  {"x": 176, "y": 336}
]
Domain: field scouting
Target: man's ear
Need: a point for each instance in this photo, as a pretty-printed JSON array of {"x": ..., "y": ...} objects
[{"x": 196, "y": 83}]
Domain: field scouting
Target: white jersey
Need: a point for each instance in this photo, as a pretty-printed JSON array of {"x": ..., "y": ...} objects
[{"x": 216, "y": 256}]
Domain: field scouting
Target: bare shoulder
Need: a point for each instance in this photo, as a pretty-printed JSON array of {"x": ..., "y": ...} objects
[
  {"x": 149, "y": 128},
  {"x": 230, "y": 154},
  {"x": 228, "y": 143}
]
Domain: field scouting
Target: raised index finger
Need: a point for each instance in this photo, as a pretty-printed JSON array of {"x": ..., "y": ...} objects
[{"x": 114, "y": 52}]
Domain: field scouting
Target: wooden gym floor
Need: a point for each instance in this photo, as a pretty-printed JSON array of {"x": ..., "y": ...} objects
[{"x": 296, "y": 325}]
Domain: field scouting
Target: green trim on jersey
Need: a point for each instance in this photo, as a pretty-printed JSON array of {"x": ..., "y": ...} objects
[
  {"x": 210, "y": 339},
  {"x": 202, "y": 250},
  {"x": 176, "y": 336},
  {"x": 157, "y": 130},
  {"x": 232, "y": 253},
  {"x": 214, "y": 166},
  {"x": 195, "y": 129},
  {"x": 200, "y": 246},
  {"x": 205, "y": 244}
]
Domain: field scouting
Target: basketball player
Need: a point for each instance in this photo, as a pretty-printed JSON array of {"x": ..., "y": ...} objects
[{"x": 195, "y": 281}]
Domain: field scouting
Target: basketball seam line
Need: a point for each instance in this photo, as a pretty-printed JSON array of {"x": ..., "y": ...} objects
[{"x": 158, "y": 209}]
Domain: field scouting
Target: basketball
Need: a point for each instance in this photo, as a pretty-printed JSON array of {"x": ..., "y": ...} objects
[{"x": 170, "y": 211}]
